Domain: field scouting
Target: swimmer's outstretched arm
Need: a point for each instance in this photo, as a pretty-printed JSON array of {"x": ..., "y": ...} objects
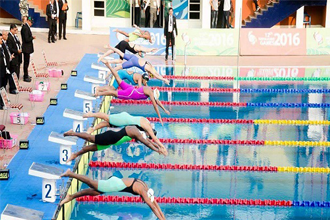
[
  {"x": 153, "y": 71},
  {"x": 154, "y": 103},
  {"x": 152, "y": 206},
  {"x": 161, "y": 105}
]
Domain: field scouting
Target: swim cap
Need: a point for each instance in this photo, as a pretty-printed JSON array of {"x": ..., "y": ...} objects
[
  {"x": 150, "y": 194},
  {"x": 145, "y": 76},
  {"x": 156, "y": 94},
  {"x": 143, "y": 54}
]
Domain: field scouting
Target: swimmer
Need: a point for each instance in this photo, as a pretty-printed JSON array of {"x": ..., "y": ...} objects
[
  {"x": 130, "y": 92},
  {"x": 136, "y": 34},
  {"x": 132, "y": 60},
  {"x": 105, "y": 140},
  {"x": 124, "y": 119},
  {"x": 114, "y": 184},
  {"x": 133, "y": 78},
  {"x": 131, "y": 47}
]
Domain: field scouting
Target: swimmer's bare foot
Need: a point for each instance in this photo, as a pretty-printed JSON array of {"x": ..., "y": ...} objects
[
  {"x": 72, "y": 157},
  {"x": 90, "y": 130},
  {"x": 66, "y": 173},
  {"x": 68, "y": 133},
  {"x": 67, "y": 199},
  {"x": 115, "y": 30},
  {"x": 88, "y": 115}
]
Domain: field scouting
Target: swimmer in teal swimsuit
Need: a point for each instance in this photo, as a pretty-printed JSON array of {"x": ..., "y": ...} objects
[
  {"x": 133, "y": 78},
  {"x": 114, "y": 184},
  {"x": 124, "y": 119}
]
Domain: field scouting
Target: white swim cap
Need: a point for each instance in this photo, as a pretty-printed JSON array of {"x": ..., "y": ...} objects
[
  {"x": 151, "y": 194},
  {"x": 156, "y": 94}
]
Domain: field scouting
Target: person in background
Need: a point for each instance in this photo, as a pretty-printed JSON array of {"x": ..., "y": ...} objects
[
  {"x": 9, "y": 57},
  {"x": 24, "y": 19},
  {"x": 214, "y": 12},
  {"x": 137, "y": 12},
  {"x": 3, "y": 68},
  {"x": 226, "y": 12},
  {"x": 232, "y": 15},
  {"x": 147, "y": 12},
  {"x": 63, "y": 7},
  {"x": 154, "y": 11},
  {"x": 15, "y": 48},
  {"x": 256, "y": 4},
  {"x": 57, "y": 18},
  {"x": 51, "y": 12},
  {"x": 170, "y": 32},
  {"x": 27, "y": 47}
]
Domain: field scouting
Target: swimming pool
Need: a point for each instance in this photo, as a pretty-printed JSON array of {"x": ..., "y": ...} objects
[{"x": 225, "y": 184}]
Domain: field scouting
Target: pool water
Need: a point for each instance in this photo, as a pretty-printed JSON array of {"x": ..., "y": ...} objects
[{"x": 225, "y": 184}]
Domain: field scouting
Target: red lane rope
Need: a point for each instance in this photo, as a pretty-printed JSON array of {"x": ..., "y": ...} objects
[
  {"x": 187, "y": 89},
  {"x": 214, "y": 141},
  {"x": 176, "y": 200},
  {"x": 200, "y": 77},
  {"x": 125, "y": 165},
  {"x": 203, "y": 120},
  {"x": 185, "y": 103}
]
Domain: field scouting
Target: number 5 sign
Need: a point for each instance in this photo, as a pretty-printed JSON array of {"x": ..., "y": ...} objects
[{"x": 273, "y": 41}]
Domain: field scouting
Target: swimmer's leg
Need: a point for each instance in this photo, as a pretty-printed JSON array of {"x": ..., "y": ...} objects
[
  {"x": 83, "y": 135},
  {"x": 85, "y": 192},
  {"x": 82, "y": 151},
  {"x": 90, "y": 182},
  {"x": 101, "y": 115}
]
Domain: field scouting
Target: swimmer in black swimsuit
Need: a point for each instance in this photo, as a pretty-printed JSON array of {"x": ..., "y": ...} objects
[
  {"x": 131, "y": 47},
  {"x": 105, "y": 140},
  {"x": 115, "y": 184}
]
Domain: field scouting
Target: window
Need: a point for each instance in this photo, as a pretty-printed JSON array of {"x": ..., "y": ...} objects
[
  {"x": 99, "y": 8},
  {"x": 195, "y": 9}
]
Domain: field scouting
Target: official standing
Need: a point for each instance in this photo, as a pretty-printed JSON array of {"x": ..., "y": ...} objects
[
  {"x": 147, "y": 12},
  {"x": 137, "y": 12},
  {"x": 3, "y": 67},
  {"x": 27, "y": 47},
  {"x": 63, "y": 7},
  {"x": 51, "y": 12},
  {"x": 8, "y": 58},
  {"x": 170, "y": 32},
  {"x": 15, "y": 48},
  {"x": 154, "y": 11}
]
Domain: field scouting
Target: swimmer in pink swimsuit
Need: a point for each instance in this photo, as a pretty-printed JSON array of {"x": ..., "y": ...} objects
[{"x": 130, "y": 92}]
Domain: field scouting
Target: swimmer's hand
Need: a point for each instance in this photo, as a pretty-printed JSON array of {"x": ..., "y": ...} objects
[
  {"x": 90, "y": 130},
  {"x": 167, "y": 82},
  {"x": 134, "y": 25},
  {"x": 167, "y": 112},
  {"x": 115, "y": 30},
  {"x": 163, "y": 151},
  {"x": 154, "y": 50}
]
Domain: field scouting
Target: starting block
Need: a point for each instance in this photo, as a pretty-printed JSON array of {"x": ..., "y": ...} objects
[
  {"x": 66, "y": 144},
  {"x": 101, "y": 68},
  {"x": 49, "y": 176},
  {"x": 88, "y": 100},
  {"x": 13, "y": 212},
  {"x": 95, "y": 82},
  {"x": 78, "y": 120}
]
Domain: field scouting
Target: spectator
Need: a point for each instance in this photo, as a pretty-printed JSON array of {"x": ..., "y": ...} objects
[
  {"x": 63, "y": 6},
  {"x": 8, "y": 58},
  {"x": 256, "y": 4},
  {"x": 27, "y": 47},
  {"x": 51, "y": 12},
  {"x": 226, "y": 11},
  {"x": 170, "y": 31},
  {"x": 137, "y": 12},
  {"x": 15, "y": 48},
  {"x": 147, "y": 12},
  {"x": 214, "y": 12},
  {"x": 154, "y": 11},
  {"x": 3, "y": 67}
]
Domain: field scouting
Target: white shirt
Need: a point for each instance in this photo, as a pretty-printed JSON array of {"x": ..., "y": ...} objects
[
  {"x": 137, "y": 3},
  {"x": 170, "y": 23},
  {"x": 58, "y": 10},
  {"x": 215, "y": 4},
  {"x": 226, "y": 5},
  {"x": 147, "y": 4},
  {"x": 154, "y": 4}
]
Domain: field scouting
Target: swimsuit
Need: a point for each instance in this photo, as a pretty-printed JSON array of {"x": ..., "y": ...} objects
[
  {"x": 123, "y": 74},
  {"x": 124, "y": 119},
  {"x": 123, "y": 46},
  {"x": 132, "y": 60},
  {"x": 114, "y": 184},
  {"x": 130, "y": 92},
  {"x": 132, "y": 36},
  {"x": 108, "y": 138}
]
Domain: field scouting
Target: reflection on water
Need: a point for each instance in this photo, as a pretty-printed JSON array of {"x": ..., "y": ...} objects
[{"x": 224, "y": 184}]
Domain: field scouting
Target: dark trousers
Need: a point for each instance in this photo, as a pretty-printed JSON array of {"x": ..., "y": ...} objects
[
  {"x": 170, "y": 38},
  {"x": 226, "y": 18},
  {"x": 256, "y": 3},
  {"x": 137, "y": 15},
  {"x": 2, "y": 81},
  {"x": 26, "y": 65},
  {"x": 9, "y": 78},
  {"x": 52, "y": 29},
  {"x": 147, "y": 21},
  {"x": 62, "y": 26},
  {"x": 15, "y": 69}
]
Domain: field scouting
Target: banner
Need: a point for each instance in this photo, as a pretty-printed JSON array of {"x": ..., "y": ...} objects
[
  {"x": 118, "y": 8},
  {"x": 317, "y": 72},
  {"x": 273, "y": 41},
  {"x": 180, "y": 9},
  {"x": 206, "y": 42},
  {"x": 318, "y": 41}
]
